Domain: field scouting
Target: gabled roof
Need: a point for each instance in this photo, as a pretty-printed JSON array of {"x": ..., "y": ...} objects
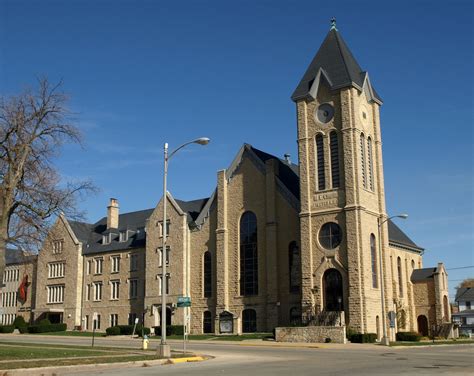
[
  {"x": 335, "y": 62},
  {"x": 397, "y": 237},
  {"x": 17, "y": 256},
  {"x": 420, "y": 275},
  {"x": 465, "y": 293}
]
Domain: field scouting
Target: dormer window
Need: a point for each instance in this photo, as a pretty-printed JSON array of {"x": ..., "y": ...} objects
[
  {"x": 123, "y": 236},
  {"x": 106, "y": 239}
]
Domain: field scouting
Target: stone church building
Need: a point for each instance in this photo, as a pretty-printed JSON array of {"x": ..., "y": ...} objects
[{"x": 275, "y": 244}]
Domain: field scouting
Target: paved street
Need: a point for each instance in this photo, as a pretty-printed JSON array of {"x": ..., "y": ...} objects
[{"x": 260, "y": 358}]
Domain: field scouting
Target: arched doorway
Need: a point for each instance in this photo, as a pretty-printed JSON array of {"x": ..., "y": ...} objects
[
  {"x": 333, "y": 291},
  {"x": 422, "y": 325}
]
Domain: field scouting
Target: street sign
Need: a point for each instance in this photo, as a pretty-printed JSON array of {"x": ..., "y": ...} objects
[{"x": 184, "y": 301}]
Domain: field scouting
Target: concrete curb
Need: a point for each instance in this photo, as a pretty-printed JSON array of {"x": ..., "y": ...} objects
[{"x": 96, "y": 366}]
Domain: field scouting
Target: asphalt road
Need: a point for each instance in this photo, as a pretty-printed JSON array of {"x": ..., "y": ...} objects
[{"x": 253, "y": 358}]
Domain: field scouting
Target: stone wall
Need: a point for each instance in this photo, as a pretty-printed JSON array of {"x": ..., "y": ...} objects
[{"x": 311, "y": 334}]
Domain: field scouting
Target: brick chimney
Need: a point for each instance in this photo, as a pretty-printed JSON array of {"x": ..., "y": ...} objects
[{"x": 113, "y": 214}]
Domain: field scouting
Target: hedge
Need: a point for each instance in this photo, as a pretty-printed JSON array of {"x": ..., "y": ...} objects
[
  {"x": 47, "y": 328},
  {"x": 363, "y": 338},
  {"x": 7, "y": 329},
  {"x": 127, "y": 330},
  {"x": 19, "y": 322},
  {"x": 171, "y": 330},
  {"x": 408, "y": 336},
  {"x": 113, "y": 331}
]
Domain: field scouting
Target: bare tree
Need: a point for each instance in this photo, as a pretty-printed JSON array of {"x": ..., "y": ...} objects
[
  {"x": 468, "y": 282},
  {"x": 33, "y": 127}
]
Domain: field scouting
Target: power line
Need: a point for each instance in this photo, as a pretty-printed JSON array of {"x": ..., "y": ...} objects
[{"x": 461, "y": 267}]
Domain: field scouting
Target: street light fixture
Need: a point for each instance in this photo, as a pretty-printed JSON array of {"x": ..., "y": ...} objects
[
  {"x": 164, "y": 349},
  {"x": 385, "y": 340}
]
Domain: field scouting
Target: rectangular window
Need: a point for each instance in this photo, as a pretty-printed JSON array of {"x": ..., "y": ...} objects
[
  {"x": 468, "y": 304},
  {"x": 160, "y": 284},
  {"x": 134, "y": 262},
  {"x": 133, "y": 291},
  {"x": 97, "y": 291},
  {"x": 56, "y": 269},
  {"x": 114, "y": 290},
  {"x": 89, "y": 267},
  {"x": 55, "y": 294},
  {"x": 113, "y": 319},
  {"x": 57, "y": 246},
  {"x": 160, "y": 255},
  {"x": 106, "y": 239},
  {"x": 88, "y": 293},
  {"x": 115, "y": 264},
  {"x": 99, "y": 263},
  {"x": 86, "y": 322},
  {"x": 160, "y": 225}
]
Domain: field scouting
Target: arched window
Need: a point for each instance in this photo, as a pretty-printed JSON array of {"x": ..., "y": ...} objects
[
  {"x": 207, "y": 274},
  {"x": 373, "y": 253},
  {"x": 400, "y": 278},
  {"x": 248, "y": 254},
  {"x": 334, "y": 145},
  {"x": 249, "y": 321},
  {"x": 370, "y": 164},
  {"x": 207, "y": 322},
  {"x": 320, "y": 162},
  {"x": 412, "y": 265},
  {"x": 377, "y": 326},
  {"x": 294, "y": 266},
  {"x": 362, "y": 160}
]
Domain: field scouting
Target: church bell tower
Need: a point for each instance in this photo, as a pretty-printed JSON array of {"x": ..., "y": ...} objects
[{"x": 341, "y": 186}]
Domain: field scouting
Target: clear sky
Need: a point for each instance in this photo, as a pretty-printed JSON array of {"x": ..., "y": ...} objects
[{"x": 144, "y": 72}]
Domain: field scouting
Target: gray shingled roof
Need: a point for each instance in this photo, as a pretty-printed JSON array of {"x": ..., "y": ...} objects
[
  {"x": 193, "y": 208},
  {"x": 420, "y": 275},
  {"x": 17, "y": 256},
  {"x": 398, "y": 237},
  {"x": 287, "y": 173},
  {"x": 465, "y": 293},
  {"x": 338, "y": 63}
]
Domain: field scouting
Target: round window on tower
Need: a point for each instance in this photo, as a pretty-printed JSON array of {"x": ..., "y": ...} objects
[
  {"x": 330, "y": 235},
  {"x": 324, "y": 113}
]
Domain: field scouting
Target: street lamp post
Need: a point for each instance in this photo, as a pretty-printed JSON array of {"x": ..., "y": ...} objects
[
  {"x": 385, "y": 340},
  {"x": 164, "y": 349}
]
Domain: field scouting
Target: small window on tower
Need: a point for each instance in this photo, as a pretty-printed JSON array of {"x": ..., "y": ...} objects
[{"x": 364, "y": 115}]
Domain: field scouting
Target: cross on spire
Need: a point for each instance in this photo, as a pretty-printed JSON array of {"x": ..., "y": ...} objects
[{"x": 333, "y": 24}]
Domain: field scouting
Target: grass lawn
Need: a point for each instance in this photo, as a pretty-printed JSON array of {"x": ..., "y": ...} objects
[
  {"x": 16, "y": 355},
  {"x": 74, "y": 333},
  {"x": 437, "y": 342}
]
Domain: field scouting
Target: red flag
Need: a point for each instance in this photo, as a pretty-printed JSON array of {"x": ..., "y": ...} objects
[{"x": 22, "y": 290}]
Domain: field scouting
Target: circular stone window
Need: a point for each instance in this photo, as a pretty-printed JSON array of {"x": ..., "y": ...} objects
[
  {"x": 330, "y": 235},
  {"x": 324, "y": 113}
]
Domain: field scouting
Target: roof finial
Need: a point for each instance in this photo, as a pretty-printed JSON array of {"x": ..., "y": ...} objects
[{"x": 333, "y": 24}]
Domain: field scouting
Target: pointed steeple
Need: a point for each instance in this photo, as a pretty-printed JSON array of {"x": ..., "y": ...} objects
[{"x": 335, "y": 61}]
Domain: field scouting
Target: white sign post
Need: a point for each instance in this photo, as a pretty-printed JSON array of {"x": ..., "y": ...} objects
[{"x": 134, "y": 327}]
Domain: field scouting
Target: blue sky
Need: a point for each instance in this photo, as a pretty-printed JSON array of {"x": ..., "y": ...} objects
[{"x": 145, "y": 72}]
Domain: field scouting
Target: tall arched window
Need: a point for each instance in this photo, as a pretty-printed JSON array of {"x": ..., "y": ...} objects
[
  {"x": 249, "y": 321},
  {"x": 370, "y": 164},
  {"x": 207, "y": 322},
  {"x": 373, "y": 253},
  {"x": 248, "y": 254},
  {"x": 320, "y": 162},
  {"x": 362, "y": 160},
  {"x": 400, "y": 278},
  {"x": 294, "y": 266},
  {"x": 334, "y": 145},
  {"x": 207, "y": 274},
  {"x": 412, "y": 265}
]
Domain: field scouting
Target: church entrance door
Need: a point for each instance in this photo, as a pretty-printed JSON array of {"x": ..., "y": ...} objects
[{"x": 332, "y": 284}]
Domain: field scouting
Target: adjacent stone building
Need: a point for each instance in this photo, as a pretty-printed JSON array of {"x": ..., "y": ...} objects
[
  {"x": 275, "y": 244},
  {"x": 17, "y": 296}
]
